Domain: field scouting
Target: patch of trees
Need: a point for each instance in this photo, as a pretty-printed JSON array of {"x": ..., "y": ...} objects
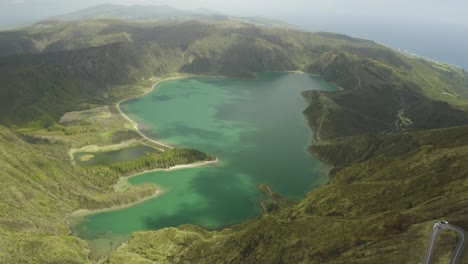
[{"x": 163, "y": 160}]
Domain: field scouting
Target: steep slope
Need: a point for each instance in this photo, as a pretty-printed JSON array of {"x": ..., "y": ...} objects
[
  {"x": 391, "y": 178},
  {"x": 80, "y": 60},
  {"x": 379, "y": 207},
  {"x": 385, "y": 94},
  {"x": 38, "y": 189},
  {"x": 43, "y": 87}
]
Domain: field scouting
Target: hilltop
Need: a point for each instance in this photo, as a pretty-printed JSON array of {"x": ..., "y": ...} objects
[{"x": 162, "y": 13}]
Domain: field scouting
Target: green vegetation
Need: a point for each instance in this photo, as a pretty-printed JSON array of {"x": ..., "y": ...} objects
[
  {"x": 68, "y": 66},
  {"x": 166, "y": 159},
  {"x": 391, "y": 94},
  {"x": 376, "y": 210},
  {"x": 395, "y": 135},
  {"x": 40, "y": 188},
  {"x": 110, "y": 157}
]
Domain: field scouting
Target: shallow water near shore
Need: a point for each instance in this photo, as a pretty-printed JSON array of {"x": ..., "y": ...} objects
[
  {"x": 254, "y": 127},
  {"x": 111, "y": 157}
]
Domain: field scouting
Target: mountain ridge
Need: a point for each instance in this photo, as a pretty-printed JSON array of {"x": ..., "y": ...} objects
[
  {"x": 233, "y": 49},
  {"x": 159, "y": 13},
  {"x": 388, "y": 133}
]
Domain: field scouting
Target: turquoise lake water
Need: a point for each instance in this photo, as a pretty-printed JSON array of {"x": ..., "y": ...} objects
[{"x": 254, "y": 127}]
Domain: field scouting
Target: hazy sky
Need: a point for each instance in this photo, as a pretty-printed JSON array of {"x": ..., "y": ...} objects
[{"x": 443, "y": 11}]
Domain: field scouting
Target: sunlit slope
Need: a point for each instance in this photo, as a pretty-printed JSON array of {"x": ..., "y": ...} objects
[
  {"x": 46, "y": 65},
  {"x": 396, "y": 135},
  {"x": 38, "y": 189},
  {"x": 379, "y": 207},
  {"x": 385, "y": 92}
]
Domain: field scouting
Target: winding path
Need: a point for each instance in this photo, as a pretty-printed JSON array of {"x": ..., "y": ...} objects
[{"x": 438, "y": 227}]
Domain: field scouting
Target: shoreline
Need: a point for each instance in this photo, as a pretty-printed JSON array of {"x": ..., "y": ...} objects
[
  {"x": 123, "y": 180},
  {"x": 122, "y": 184},
  {"x": 85, "y": 212},
  {"x": 177, "y": 167},
  {"x": 135, "y": 124},
  {"x": 97, "y": 148},
  {"x": 299, "y": 72}
]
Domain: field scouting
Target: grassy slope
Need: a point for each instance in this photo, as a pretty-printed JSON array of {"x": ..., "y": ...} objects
[
  {"x": 380, "y": 91},
  {"x": 379, "y": 210},
  {"x": 385, "y": 192},
  {"x": 38, "y": 189},
  {"x": 70, "y": 65},
  {"x": 78, "y": 65}
]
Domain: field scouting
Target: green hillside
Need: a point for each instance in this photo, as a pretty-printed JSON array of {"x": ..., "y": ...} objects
[
  {"x": 68, "y": 65},
  {"x": 385, "y": 92},
  {"x": 395, "y": 133},
  {"x": 377, "y": 208},
  {"x": 39, "y": 188}
]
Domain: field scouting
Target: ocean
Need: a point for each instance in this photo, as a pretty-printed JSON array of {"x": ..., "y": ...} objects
[{"x": 435, "y": 40}]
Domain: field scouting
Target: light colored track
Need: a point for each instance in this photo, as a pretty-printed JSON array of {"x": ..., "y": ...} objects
[{"x": 460, "y": 245}]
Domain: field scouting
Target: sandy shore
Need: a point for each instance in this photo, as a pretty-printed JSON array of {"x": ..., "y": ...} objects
[
  {"x": 135, "y": 125},
  {"x": 298, "y": 71},
  {"x": 96, "y": 148},
  {"x": 123, "y": 180},
  {"x": 85, "y": 212},
  {"x": 122, "y": 184},
  {"x": 193, "y": 165}
]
